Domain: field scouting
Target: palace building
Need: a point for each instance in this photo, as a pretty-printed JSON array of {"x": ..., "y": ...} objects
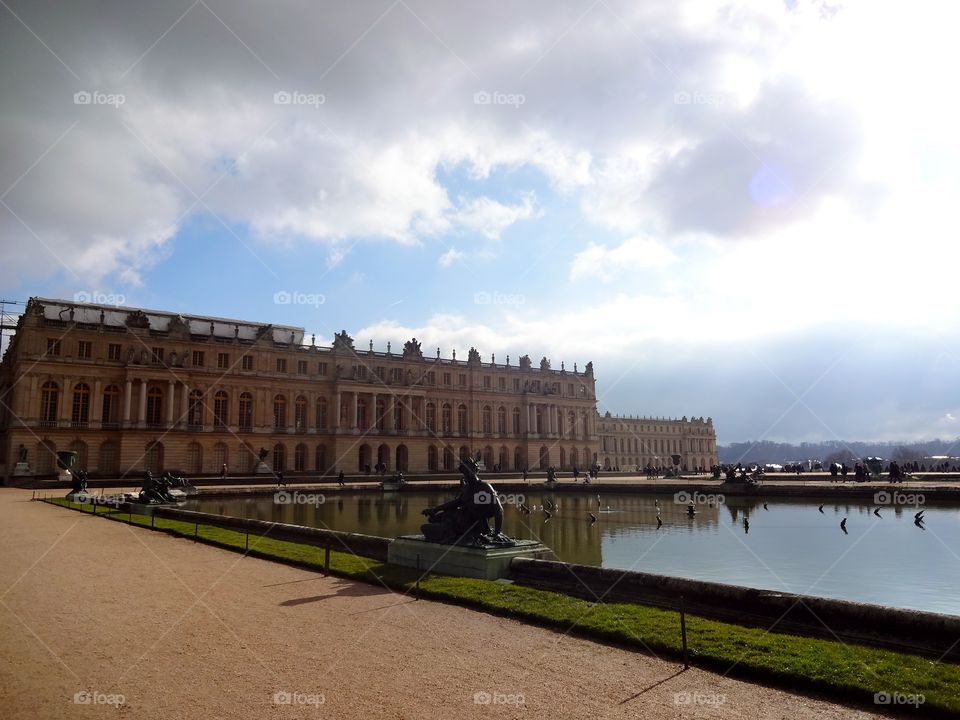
[{"x": 130, "y": 390}]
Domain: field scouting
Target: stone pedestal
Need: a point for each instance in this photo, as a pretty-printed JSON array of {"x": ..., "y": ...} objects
[
  {"x": 262, "y": 469},
  {"x": 22, "y": 469},
  {"x": 487, "y": 563}
]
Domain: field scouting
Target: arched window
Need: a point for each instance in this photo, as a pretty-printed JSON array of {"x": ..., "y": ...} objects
[
  {"x": 320, "y": 458},
  {"x": 107, "y": 463},
  {"x": 539, "y": 421},
  {"x": 516, "y": 421},
  {"x": 194, "y": 458},
  {"x": 502, "y": 420},
  {"x": 80, "y": 416},
  {"x": 381, "y": 409},
  {"x": 154, "y": 407},
  {"x": 397, "y": 415},
  {"x": 80, "y": 448},
  {"x": 321, "y": 413},
  {"x": 446, "y": 413},
  {"x": 245, "y": 418},
  {"x": 279, "y": 457},
  {"x": 518, "y": 462},
  {"x": 462, "y": 419},
  {"x": 220, "y": 457},
  {"x": 486, "y": 419},
  {"x": 221, "y": 409},
  {"x": 300, "y": 457},
  {"x": 300, "y": 415},
  {"x": 432, "y": 420},
  {"x": 432, "y": 458},
  {"x": 153, "y": 457},
  {"x": 245, "y": 459},
  {"x": 110, "y": 413},
  {"x": 447, "y": 459},
  {"x": 280, "y": 412},
  {"x": 195, "y": 409},
  {"x": 49, "y": 401}
]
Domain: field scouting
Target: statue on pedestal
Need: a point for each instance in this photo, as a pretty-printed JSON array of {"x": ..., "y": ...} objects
[{"x": 464, "y": 520}]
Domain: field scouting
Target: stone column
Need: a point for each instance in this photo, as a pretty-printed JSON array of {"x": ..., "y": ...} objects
[
  {"x": 184, "y": 404},
  {"x": 66, "y": 403},
  {"x": 142, "y": 410},
  {"x": 127, "y": 401},
  {"x": 407, "y": 414},
  {"x": 170, "y": 390},
  {"x": 96, "y": 404},
  {"x": 354, "y": 410},
  {"x": 373, "y": 411},
  {"x": 336, "y": 411}
]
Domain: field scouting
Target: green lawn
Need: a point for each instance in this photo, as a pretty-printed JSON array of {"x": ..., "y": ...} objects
[{"x": 843, "y": 671}]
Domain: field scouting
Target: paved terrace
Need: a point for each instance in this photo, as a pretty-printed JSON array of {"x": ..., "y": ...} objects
[{"x": 186, "y": 630}]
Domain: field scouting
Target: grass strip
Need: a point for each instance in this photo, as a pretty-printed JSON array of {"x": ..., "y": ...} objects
[{"x": 845, "y": 671}]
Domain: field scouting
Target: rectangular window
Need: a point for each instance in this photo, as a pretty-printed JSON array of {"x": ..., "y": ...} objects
[
  {"x": 281, "y": 364},
  {"x": 301, "y": 367},
  {"x": 462, "y": 380},
  {"x": 516, "y": 384},
  {"x": 486, "y": 382},
  {"x": 156, "y": 356},
  {"x": 247, "y": 362},
  {"x": 503, "y": 383},
  {"x": 113, "y": 351},
  {"x": 380, "y": 372},
  {"x": 396, "y": 375},
  {"x": 53, "y": 346},
  {"x": 223, "y": 361},
  {"x": 84, "y": 349},
  {"x": 197, "y": 360},
  {"x": 446, "y": 378},
  {"x": 432, "y": 378},
  {"x": 570, "y": 389},
  {"x": 322, "y": 368}
]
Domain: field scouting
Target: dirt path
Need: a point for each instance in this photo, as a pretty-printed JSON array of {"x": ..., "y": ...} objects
[{"x": 184, "y": 630}]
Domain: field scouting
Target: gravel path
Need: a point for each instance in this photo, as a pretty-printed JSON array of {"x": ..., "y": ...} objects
[{"x": 184, "y": 630}]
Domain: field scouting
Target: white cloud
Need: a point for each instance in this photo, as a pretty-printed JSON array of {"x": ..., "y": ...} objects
[
  {"x": 603, "y": 263},
  {"x": 490, "y": 218},
  {"x": 449, "y": 257}
]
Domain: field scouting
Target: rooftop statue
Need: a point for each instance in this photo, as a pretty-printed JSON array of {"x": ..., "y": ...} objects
[
  {"x": 463, "y": 520},
  {"x": 342, "y": 341},
  {"x": 411, "y": 349}
]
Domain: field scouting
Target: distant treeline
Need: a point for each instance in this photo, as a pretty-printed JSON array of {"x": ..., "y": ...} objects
[{"x": 834, "y": 451}]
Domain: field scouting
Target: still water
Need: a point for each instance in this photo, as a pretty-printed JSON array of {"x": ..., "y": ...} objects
[{"x": 790, "y": 545}]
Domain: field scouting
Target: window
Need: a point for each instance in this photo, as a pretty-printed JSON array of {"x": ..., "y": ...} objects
[
  {"x": 53, "y": 346},
  {"x": 197, "y": 360},
  {"x": 154, "y": 406},
  {"x": 322, "y": 368},
  {"x": 462, "y": 379},
  {"x": 81, "y": 405},
  {"x": 397, "y": 416},
  {"x": 502, "y": 421},
  {"x": 156, "y": 356},
  {"x": 570, "y": 389},
  {"x": 223, "y": 361},
  {"x": 281, "y": 365},
  {"x": 84, "y": 349},
  {"x": 280, "y": 412},
  {"x": 300, "y": 414},
  {"x": 396, "y": 375},
  {"x": 462, "y": 419},
  {"x": 486, "y": 382},
  {"x": 516, "y": 421},
  {"x": 446, "y": 378},
  {"x": 220, "y": 409},
  {"x": 446, "y": 418},
  {"x": 301, "y": 367},
  {"x": 431, "y": 417},
  {"x": 322, "y": 413},
  {"x": 432, "y": 378},
  {"x": 300, "y": 458},
  {"x": 111, "y": 406},
  {"x": 487, "y": 419},
  {"x": 247, "y": 362},
  {"x": 113, "y": 351},
  {"x": 516, "y": 384},
  {"x": 195, "y": 409},
  {"x": 245, "y": 419},
  {"x": 49, "y": 397},
  {"x": 502, "y": 384},
  {"x": 381, "y": 372}
]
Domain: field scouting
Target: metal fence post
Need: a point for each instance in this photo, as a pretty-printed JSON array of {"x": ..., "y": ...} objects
[{"x": 683, "y": 634}]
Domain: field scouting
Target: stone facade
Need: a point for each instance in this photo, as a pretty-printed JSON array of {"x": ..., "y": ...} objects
[
  {"x": 133, "y": 389},
  {"x": 629, "y": 442}
]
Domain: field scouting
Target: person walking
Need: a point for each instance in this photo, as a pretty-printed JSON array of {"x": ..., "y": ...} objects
[{"x": 340, "y": 479}]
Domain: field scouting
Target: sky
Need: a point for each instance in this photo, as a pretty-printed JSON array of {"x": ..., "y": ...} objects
[{"x": 742, "y": 210}]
